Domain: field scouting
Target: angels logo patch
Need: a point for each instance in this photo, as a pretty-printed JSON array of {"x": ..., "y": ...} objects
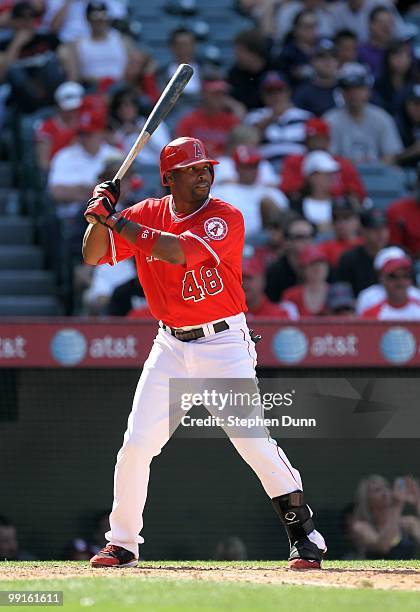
[{"x": 216, "y": 228}]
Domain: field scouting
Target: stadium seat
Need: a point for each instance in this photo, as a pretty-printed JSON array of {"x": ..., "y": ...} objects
[{"x": 384, "y": 184}]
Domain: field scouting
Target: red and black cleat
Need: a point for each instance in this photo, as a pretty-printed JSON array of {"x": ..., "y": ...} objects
[
  {"x": 114, "y": 556},
  {"x": 304, "y": 554}
]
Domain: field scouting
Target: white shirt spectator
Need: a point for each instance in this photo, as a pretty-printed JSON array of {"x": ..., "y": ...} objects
[
  {"x": 105, "y": 58},
  {"x": 75, "y": 166},
  {"x": 383, "y": 311},
  {"x": 226, "y": 172},
  {"x": 106, "y": 278},
  {"x": 247, "y": 198},
  {"x": 373, "y": 295},
  {"x": 75, "y": 24}
]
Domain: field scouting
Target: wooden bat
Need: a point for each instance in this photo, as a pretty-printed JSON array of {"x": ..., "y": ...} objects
[{"x": 162, "y": 107}]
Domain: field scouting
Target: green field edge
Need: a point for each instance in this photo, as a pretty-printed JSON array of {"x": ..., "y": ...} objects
[{"x": 380, "y": 564}]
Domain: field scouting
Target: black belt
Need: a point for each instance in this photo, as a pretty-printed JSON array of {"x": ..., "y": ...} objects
[{"x": 195, "y": 334}]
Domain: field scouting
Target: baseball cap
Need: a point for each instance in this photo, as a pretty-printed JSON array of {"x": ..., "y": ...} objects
[
  {"x": 96, "y": 7},
  {"x": 252, "y": 266},
  {"x": 246, "y": 155},
  {"x": 373, "y": 218},
  {"x": 69, "y": 95},
  {"x": 340, "y": 295},
  {"x": 354, "y": 74},
  {"x": 317, "y": 127},
  {"x": 273, "y": 80},
  {"x": 319, "y": 161},
  {"x": 390, "y": 259},
  {"x": 90, "y": 122},
  {"x": 310, "y": 254},
  {"x": 325, "y": 46}
]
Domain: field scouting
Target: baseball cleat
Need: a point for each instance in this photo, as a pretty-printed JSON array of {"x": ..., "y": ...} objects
[
  {"x": 114, "y": 556},
  {"x": 304, "y": 554}
]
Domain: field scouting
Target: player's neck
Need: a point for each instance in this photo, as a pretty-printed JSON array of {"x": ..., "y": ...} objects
[{"x": 181, "y": 207}]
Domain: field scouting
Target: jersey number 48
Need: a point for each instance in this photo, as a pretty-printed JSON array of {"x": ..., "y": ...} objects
[{"x": 209, "y": 283}]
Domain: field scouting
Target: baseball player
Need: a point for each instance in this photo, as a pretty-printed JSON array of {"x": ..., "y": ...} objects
[{"x": 188, "y": 252}]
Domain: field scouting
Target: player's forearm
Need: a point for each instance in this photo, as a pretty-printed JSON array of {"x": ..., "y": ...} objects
[
  {"x": 166, "y": 246},
  {"x": 95, "y": 243}
]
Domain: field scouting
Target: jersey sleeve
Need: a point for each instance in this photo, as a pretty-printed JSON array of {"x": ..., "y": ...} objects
[
  {"x": 213, "y": 239},
  {"x": 118, "y": 248}
]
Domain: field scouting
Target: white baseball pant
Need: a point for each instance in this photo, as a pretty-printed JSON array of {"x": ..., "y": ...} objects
[{"x": 228, "y": 354}]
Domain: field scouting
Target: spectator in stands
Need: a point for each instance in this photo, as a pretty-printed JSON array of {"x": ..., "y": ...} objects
[
  {"x": 104, "y": 55},
  {"x": 215, "y": 117},
  {"x": 259, "y": 204},
  {"x": 395, "y": 275},
  {"x": 281, "y": 124},
  {"x": 127, "y": 116},
  {"x": 30, "y": 61},
  {"x": 310, "y": 297},
  {"x": 125, "y": 298},
  {"x": 285, "y": 271},
  {"x": 317, "y": 138},
  {"x": 345, "y": 42},
  {"x": 346, "y": 224},
  {"x": 182, "y": 44},
  {"x": 9, "y": 543},
  {"x": 74, "y": 172},
  {"x": 356, "y": 265},
  {"x": 59, "y": 130},
  {"x": 404, "y": 221},
  {"x": 286, "y": 12},
  {"x": 251, "y": 64},
  {"x": 396, "y": 75},
  {"x": 318, "y": 94},
  {"x": 375, "y": 294},
  {"x": 361, "y": 131},
  {"x": 231, "y": 548},
  {"x": 294, "y": 59},
  {"x": 340, "y": 300},
  {"x": 408, "y": 122},
  {"x": 67, "y": 18},
  {"x": 253, "y": 279},
  {"x": 226, "y": 170},
  {"x": 354, "y": 15},
  {"x": 386, "y": 521},
  {"x": 381, "y": 33},
  {"x": 315, "y": 199}
]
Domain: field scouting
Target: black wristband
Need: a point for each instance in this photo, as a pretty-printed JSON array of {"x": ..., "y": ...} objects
[{"x": 120, "y": 224}]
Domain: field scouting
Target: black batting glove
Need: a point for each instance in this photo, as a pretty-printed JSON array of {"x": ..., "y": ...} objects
[{"x": 108, "y": 189}]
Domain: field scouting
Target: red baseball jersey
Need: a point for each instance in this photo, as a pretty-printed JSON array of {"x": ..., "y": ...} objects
[{"x": 208, "y": 287}]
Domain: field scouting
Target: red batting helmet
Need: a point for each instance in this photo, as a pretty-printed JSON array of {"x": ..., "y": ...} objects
[{"x": 182, "y": 153}]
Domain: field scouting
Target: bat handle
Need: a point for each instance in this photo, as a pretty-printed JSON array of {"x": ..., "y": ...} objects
[{"x": 91, "y": 219}]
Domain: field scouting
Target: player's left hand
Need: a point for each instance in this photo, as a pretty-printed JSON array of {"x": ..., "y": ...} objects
[
  {"x": 100, "y": 209},
  {"x": 108, "y": 189}
]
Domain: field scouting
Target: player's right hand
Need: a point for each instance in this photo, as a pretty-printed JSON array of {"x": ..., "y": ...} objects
[
  {"x": 108, "y": 189},
  {"x": 99, "y": 209}
]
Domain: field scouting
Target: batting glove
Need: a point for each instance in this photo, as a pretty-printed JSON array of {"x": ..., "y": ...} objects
[
  {"x": 99, "y": 209},
  {"x": 108, "y": 189}
]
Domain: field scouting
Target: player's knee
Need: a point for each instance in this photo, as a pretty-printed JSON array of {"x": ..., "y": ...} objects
[{"x": 140, "y": 446}]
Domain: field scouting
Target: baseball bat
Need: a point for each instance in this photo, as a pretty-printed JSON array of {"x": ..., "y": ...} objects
[{"x": 161, "y": 109}]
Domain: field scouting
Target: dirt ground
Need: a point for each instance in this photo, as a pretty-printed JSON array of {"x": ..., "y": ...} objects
[{"x": 397, "y": 579}]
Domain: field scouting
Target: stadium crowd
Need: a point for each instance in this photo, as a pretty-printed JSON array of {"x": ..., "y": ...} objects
[{"x": 318, "y": 93}]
